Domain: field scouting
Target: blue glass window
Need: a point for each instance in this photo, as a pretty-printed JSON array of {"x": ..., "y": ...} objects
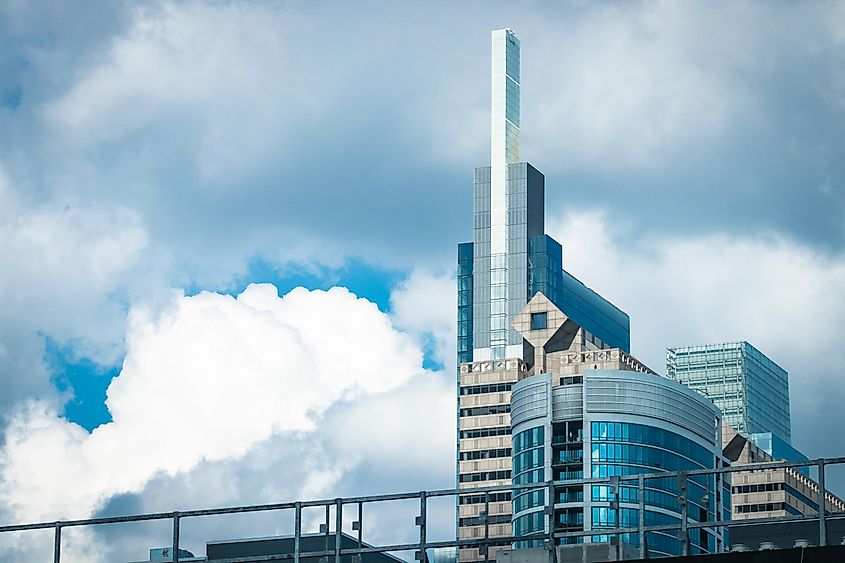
[{"x": 539, "y": 321}]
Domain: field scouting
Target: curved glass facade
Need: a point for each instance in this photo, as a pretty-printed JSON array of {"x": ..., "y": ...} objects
[
  {"x": 528, "y": 462},
  {"x": 594, "y": 435},
  {"x": 620, "y": 448}
]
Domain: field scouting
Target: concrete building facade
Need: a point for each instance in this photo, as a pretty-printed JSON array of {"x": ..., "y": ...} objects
[{"x": 770, "y": 493}]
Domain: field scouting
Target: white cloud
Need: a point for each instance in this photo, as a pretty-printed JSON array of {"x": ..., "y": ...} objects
[
  {"x": 426, "y": 304},
  {"x": 416, "y": 420},
  {"x": 205, "y": 380}
]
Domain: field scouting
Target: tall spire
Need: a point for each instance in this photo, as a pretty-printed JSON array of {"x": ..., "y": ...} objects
[
  {"x": 504, "y": 146},
  {"x": 504, "y": 150}
]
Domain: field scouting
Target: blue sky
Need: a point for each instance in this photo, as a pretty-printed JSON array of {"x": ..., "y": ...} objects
[{"x": 157, "y": 158}]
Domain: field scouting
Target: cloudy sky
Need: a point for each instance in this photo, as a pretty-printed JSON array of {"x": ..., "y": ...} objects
[{"x": 157, "y": 159}]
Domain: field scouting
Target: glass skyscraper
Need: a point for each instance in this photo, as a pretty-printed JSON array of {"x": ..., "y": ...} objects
[
  {"x": 751, "y": 390},
  {"x": 509, "y": 261},
  {"x": 512, "y": 258}
]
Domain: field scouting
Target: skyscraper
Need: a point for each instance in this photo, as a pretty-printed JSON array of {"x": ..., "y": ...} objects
[
  {"x": 509, "y": 261},
  {"x": 751, "y": 390}
]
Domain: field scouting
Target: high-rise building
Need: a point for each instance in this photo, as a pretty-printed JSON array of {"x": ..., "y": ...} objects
[
  {"x": 601, "y": 413},
  {"x": 509, "y": 261},
  {"x": 751, "y": 390}
]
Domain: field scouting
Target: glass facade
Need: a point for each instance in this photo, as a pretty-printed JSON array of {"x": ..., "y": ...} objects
[
  {"x": 620, "y": 448},
  {"x": 500, "y": 280},
  {"x": 545, "y": 267},
  {"x": 602, "y": 436},
  {"x": 504, "y": 98},
  {"x": 778, "y": 449},
  {"x": 594, "y": 313},
  {"x": 507, "y": 197},
  {"x": 512, "y": 257},
  {"x": 580, "y": 303},
  {"x": 751, "y": 390},
  {"x": 528, "y": 461},
  {"x": 501, "y": 285},
  {"x": 465, "y": 302}
]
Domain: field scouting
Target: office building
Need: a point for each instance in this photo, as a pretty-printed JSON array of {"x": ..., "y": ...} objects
[
  {"x": 751, "y": 390},
  {"x": 753, "y": 393},
  {"x": 601, "y": 413},
  {"x": 276, "y": 547},
  {"x": 510, "y": 260},
  {"x": 770, "y": 493}
]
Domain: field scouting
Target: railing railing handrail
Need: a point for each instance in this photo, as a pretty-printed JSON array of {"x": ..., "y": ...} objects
[{"x": 684, "y": 524}]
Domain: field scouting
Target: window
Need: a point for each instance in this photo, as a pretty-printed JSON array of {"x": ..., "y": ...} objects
[{"x": 539, "y": 321}]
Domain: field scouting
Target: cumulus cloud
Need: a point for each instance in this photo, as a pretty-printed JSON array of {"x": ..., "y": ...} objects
[
  {"x": 396, "y": 441},
  {"x": 207, "y": 379}
]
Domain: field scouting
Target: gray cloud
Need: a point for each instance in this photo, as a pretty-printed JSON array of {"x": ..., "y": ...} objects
[{"x": 238, "y": 126}]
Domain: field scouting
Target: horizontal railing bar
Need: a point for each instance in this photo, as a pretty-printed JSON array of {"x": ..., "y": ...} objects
[
  {"x": 696, "y": 525},
  {"x": 439, "y": 493},
  {"x": 738, "y": 468},
  {"x": 88, "y": 521},
  {"x": 261, "y": 508}
]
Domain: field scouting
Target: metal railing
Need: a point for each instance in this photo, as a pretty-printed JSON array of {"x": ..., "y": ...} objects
[{"x": 684, "y": 526}]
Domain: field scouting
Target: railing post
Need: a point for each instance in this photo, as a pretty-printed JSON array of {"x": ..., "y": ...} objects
[
  {"x": 641, "y": 514},
  {"x": 338, "y": 527},
  {"x": 617, "y": 511},
  {"x": 422, "y": 523},
  {"x": 297, "y": 530},
  {"x": 822, "y": 506},
  {"x": 360, "y": 525},
  {"x": 176, "y": 537},
  {"x": 486, "y": 525},
  {"x": 718, "y": 501},
  {"x": 682, "y": 499},
  {"x": 57, "y": 543},
  {"x": 357, "y": 526},
  {"x": 550, "y": 510},
  {"x": 325, "y": 528}
]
